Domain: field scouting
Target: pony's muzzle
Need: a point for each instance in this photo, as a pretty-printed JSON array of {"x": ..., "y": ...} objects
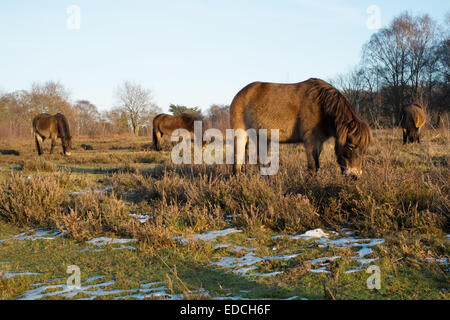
[{"x": 352, "y": 172}]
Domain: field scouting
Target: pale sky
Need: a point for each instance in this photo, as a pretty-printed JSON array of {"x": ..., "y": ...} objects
[{"x": 190, "y": 52}]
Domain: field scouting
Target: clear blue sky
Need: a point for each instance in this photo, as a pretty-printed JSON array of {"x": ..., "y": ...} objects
[{"x": 188, "y": 52}]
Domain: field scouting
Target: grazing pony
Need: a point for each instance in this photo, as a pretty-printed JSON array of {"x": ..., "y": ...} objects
[
  {"x": 53, "y": 127},
  {"x": 165, "y": 124},
  {"x": 310, "y": 112},
  {"x": 412, "y": 119}
]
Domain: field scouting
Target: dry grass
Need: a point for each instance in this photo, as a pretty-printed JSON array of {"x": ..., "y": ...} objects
[{"x": 404, "y": 188}]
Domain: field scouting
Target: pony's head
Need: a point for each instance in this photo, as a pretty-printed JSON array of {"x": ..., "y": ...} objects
[
  {"x": 67, "y": 145},
  {"x": 64, "y": 133},
  {"x": 352, "y": 141},
  {"x": 352, "y": 134}
]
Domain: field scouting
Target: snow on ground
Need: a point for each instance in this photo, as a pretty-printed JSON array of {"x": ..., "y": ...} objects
[
  {"x": 35, "y": 234},
  {"x": 245, "y": 261},
  {"x": 210, "y": 236}
]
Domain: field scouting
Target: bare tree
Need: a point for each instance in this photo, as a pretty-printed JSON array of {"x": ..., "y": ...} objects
[
  {"x": 218, "y": 117},
  {"x": 442, "y": 97},
  {"x": 50, "y": 97},
  {"x": 352, "y": 86},
  {"x": 136, "y": 102},
  {"x": 87, "y": 116},
  {"x": 400, "y": 54}
]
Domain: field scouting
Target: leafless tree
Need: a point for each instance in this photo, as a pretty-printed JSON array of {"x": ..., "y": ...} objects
[
  {"x": 50, "y": 97},
  {"x": 352, "y": 86},
  {"x": 136, "y": 102},
  {"x": 218, "y": 117},
  {"x": 86, "y": 117},
  {"x": 401, "y": 54}
]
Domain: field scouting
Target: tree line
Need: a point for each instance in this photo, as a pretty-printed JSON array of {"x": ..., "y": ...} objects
[{"x": 133, "y": 114}]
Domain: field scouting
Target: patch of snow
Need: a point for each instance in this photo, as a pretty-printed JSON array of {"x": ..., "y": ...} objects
[
  {"x": 103, "y": 241},
  {"x": 323, "y": 261},
  {"x": 311, "y": 234},
  {"x": 35, "y": 234},
  {"x": 221, "y": 245},
  {"x": 66, "y": 292},
  {"x": 443, "y": 261},
  {"x": 366, "y": 261},
  {"x": 9, "y": 275},
  {"x": 285, "y": 257},
  {"x": 269, "y": 274},
  {"x": 142, "y": 218},
  {"x": 358, "y": 269},
  {"x": 364, "y": 252},
  {"x": 209, "y": 236},
  {"x": 109, "y": 188},
  {"x": 320, "y": 270}
]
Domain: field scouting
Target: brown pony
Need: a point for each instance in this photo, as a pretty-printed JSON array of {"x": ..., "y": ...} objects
[
  {"x": 53, "y": 127},
  {"x": 165, "y": 124},
  {"x": 412, "y": 119},
  {"x": 310, "y": 112}
]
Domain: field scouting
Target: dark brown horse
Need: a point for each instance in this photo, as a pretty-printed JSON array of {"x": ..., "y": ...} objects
[
  {"x": 53, "y": 127},
  {"x": 412, "y": 119},
  {"x": 165, "y": 124},
  {"x": 310, "y": 112}
]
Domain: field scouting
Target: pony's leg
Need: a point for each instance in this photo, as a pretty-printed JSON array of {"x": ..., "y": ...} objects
[
  {"x": 52, "y": 146},
  {"x": 38, "y": 141},
  {"x": 313, "y": 151},
  {"x": 405, "y": 136},
  {"x": 316, "y": 154},
  {"x": 157, "y": 140},
  {"x": 239, "y": 150}
]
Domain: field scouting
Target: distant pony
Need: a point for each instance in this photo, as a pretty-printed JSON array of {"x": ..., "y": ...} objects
[
  {"x": 165, "y": 124},
  {"x": 53, "y": 127},
  {"x": 311, "y": 112},
  {"x": 412, "y": 119}
]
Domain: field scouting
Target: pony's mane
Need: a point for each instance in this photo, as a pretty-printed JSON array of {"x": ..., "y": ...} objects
[
  {"x": 190, "y": 117},
  {"x": 336, "y": 106},
  {"x": 63, "y": 126},
  {"x": 159, "y": 115},
  {"x": 190, "y": 114}
]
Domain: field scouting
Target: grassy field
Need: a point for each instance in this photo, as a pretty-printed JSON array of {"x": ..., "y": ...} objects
[{"x": 199, "y": 232}]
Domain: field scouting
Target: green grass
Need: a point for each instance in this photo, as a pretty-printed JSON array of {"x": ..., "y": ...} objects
[{"x": 129, "y": 268}]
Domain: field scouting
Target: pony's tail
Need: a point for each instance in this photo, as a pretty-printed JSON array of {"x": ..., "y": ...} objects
[
  {"x": 38, "y": 145},
  {"x": 34, "y": 124},
  {"x": 35, "y": 128},
  {"x": 36, "y": 133},
  {"x": 154, "y": 133},
  {"x": 154, "y": 137}
]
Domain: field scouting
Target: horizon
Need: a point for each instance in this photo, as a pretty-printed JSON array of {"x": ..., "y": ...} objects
[{"x": 192, "y": 53}]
